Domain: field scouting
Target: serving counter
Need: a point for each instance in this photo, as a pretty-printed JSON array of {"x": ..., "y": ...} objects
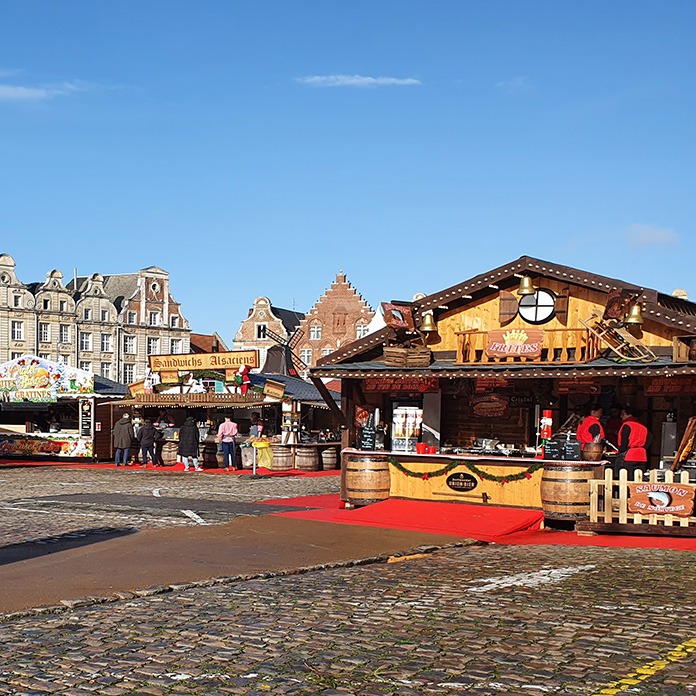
[{"x": 558, "y": 487}]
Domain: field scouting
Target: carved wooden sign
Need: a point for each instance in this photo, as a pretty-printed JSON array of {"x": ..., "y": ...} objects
[
  {"x": 661, "y": 499},
  {"x": 522, "y": 343}
]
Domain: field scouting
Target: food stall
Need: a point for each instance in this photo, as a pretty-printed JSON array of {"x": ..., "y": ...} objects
[
  {"x": 495, "y": 367},
  {"x": 47, "y": 409}
]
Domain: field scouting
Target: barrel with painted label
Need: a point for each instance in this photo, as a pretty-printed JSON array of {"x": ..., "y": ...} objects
[
  {"x": 364, "y": 478},
  {"x": 565, "y": 488}
]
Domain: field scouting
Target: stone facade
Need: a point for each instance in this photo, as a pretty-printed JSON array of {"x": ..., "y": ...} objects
[{"x": 106, "y": 324}]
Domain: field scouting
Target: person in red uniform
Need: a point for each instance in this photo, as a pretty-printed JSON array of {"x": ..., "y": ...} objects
[
  {"x": 590, "y": 429},
  {"x": 634, "y": 437}
]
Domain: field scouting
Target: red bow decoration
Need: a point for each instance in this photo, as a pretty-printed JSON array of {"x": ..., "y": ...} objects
[{"x": 425, "y": 476}]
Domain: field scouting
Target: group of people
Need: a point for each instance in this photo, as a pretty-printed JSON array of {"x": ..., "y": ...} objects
[
  {"x": 124, "y": 435},
  {"x": 633, "y": 437}
]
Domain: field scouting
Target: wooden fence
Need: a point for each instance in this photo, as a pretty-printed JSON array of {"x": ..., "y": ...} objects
[{"x": 667, "y": 501}]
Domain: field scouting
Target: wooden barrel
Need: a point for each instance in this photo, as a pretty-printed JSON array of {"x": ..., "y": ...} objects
[
  {"x": 593, "y": 451},
  {"x": 565, "y": 491},
  {"x": 364, "y": 478},
  {"x": 282, "y": 458},
  {"x": 209, "y": 454},
  {"x": 169, "y": 453},
  {"x": 329, "y": 457},
  {"x": 307, "y": 459}
]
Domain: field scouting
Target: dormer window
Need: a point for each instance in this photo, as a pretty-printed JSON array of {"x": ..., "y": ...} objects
[{"x": 87, "y": 314}]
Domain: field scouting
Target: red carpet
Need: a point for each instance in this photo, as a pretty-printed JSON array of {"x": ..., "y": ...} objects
[{"x": 499, "y": 525}]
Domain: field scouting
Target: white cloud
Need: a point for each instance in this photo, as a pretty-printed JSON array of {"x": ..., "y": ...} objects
[
  {"x": 355, "y": 81},
  {"x": 515, "y": 85},
  {"x": 650, "y": 235},
  {"x": 18, "y": 93}
]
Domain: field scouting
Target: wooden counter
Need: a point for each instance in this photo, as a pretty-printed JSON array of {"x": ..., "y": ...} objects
[{"x": 466, "y": 478}]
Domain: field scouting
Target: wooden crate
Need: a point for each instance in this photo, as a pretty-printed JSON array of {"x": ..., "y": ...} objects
[
  {"x": 398, "y": 356},
  {"x": 611, "y": 514}
]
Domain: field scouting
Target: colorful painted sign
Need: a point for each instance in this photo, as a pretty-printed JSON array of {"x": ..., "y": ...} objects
[
  {"x": 661, "y": 499},
  {"x": 33, "y": 379},
  {"x": 45, "y": 445},
  {"x": 276, "y": 390},
  {"x": 518, "y": 343}
]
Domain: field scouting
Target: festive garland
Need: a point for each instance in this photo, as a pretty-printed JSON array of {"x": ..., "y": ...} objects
[{"x": 483, "y": 475}]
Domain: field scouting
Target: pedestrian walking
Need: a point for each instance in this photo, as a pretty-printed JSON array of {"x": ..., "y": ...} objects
[
  {"x": 123, "y": 439},
  {"x": 147, "y": 437},
  {"x": 226, "y": 437},
  {"x": 189, "y": 443}
]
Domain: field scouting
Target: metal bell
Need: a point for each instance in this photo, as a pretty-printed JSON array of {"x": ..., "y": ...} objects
[
  {"x": 634, "y": 315},
  {"x": 428, "y": 323},
  {"x": 526, "y": 287}
]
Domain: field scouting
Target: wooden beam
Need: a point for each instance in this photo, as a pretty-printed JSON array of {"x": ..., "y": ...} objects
[{"x": 329, "y": 400}]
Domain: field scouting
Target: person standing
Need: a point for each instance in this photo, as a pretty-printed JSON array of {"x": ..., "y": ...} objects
[
  {"x": 147, "y": 436},
  {"x": 590, "y": 428},
  {"x": 226, "y": 437},
  {"x": 256, "y": 428},
  {"x": 189, "y": 442},
  {"x": 634, "y": 438},
  {"x": 123, "y": 439}
]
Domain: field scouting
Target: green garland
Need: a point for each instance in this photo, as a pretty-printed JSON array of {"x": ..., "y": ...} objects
[{"x": 483, "y": 475}]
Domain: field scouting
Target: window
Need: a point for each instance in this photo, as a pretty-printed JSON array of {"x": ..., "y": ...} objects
[
  {"x": 175, "y": 345},
  {"x": 44, "y": 356},
  {"x": 326, "y": 351},
  {"x": 17, "y": 301},
  {"x": 44, "y": 332},
  {"x": 129, "y": 344},
  {"x": 105, "y": 370},
  {"x": 261, "y": 331},
  {"x": 85, "y": 340},
  {"x": 87, "y": 313},
  {"x": 15, "y": 356},
  {"x": 361, "y": 330},
  {"x": 152, "y": 346},
  {"x": 106, "y": 343},
  {"x": 539, "y": 307},
  {"x": 65, "y": 359},
  {"x": 174, "y": 321},
  {"x": 128, "y": 373},
  {"x": 154, "y": 318},
  {"x": 46, "y": 304},
  {"x": 17, "y": 330},
  {"x": 64, "y": 334},
  {"x": 105, "y": 315},
  {"x": 306, "y": 356},
  {"x": 315, "y": 332},
  {"x": 62, "y": 305},
  {"x": 132, "y": 318},
  {"x": 85, "y": 365}
]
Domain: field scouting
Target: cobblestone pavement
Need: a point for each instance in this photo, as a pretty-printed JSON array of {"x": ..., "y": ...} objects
[
  {"x": 478, "y": 620},
  {"x": 34, "y": 508}
]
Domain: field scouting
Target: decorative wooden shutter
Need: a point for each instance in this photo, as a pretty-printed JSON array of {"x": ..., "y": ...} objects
[
  {"x": 562, "y": 305},
  {"x": 508, "y": 307}
]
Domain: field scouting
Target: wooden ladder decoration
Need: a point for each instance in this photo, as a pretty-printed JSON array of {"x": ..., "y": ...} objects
[{"x": 618, "y": 340}]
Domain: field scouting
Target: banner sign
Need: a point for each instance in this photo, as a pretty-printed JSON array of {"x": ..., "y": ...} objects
[
  {"x": 276, "y": 390},
  {"x": 33, "y": 379},
  {"x": 205, "y": 361},
  {"x": 578, "y": 386},
  {"x": 672, "y": 385},
  {"x": 401, "y": 384},
  {"x": 490, "y": 405},
  {"x": 49, "y": 445},
  {"x": 519, "y": 343},
  {"x": 661, "y": 498}
]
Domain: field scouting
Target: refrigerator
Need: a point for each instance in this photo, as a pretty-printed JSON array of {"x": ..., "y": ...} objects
[{"x": 406, "y": 426}]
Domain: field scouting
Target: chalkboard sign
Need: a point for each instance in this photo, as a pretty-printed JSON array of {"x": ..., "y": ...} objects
[
  {"x": 553, "y": 449},
  {"x": 85, "y": 418},
  {"x": 571, "y": 450},
  {"x": 367, "y": 438}
]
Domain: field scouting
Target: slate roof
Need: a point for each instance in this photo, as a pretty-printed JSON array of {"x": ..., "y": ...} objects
[
  {"x": 204, "y": 343},
  {"x": 298, "y": 389},
  {"x": 118, "y": 287},
  {"x": 291, "y": 319},
  {"x": 107, "y": 387}
]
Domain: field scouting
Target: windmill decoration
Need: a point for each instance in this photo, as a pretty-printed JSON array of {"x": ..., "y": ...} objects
[{"x": 282, "y": 359}]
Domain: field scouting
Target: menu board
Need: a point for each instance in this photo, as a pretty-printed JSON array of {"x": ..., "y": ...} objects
[
  {"x": 85, "y": 418},
  {"x": 368, "y": 438}
]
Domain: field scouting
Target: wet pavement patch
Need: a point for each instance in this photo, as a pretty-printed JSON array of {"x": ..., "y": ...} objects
[{"x": 151, "y": 502}]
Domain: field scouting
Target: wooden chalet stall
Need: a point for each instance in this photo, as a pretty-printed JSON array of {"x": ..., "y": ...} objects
[
  {"x": 210, "y": 387},
  {"x": 463, "y": 392}
]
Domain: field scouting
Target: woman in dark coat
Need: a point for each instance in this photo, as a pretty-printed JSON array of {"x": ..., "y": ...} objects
[
  {"x": 189, "y": 441},
  {"x": 123, "y": 439},
  {"x": 147, "y": 435}
]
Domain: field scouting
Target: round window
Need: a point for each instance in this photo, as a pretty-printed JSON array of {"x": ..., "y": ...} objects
[{"x": 539, "y": 307}]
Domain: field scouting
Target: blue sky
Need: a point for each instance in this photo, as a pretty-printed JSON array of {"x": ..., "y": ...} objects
[{"x": 257, "y": 148}]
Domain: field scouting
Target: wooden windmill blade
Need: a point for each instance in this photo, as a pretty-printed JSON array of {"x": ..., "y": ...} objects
[
  {"x": 296, "y": 338},
  {"x": 274, "y": 336}
]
